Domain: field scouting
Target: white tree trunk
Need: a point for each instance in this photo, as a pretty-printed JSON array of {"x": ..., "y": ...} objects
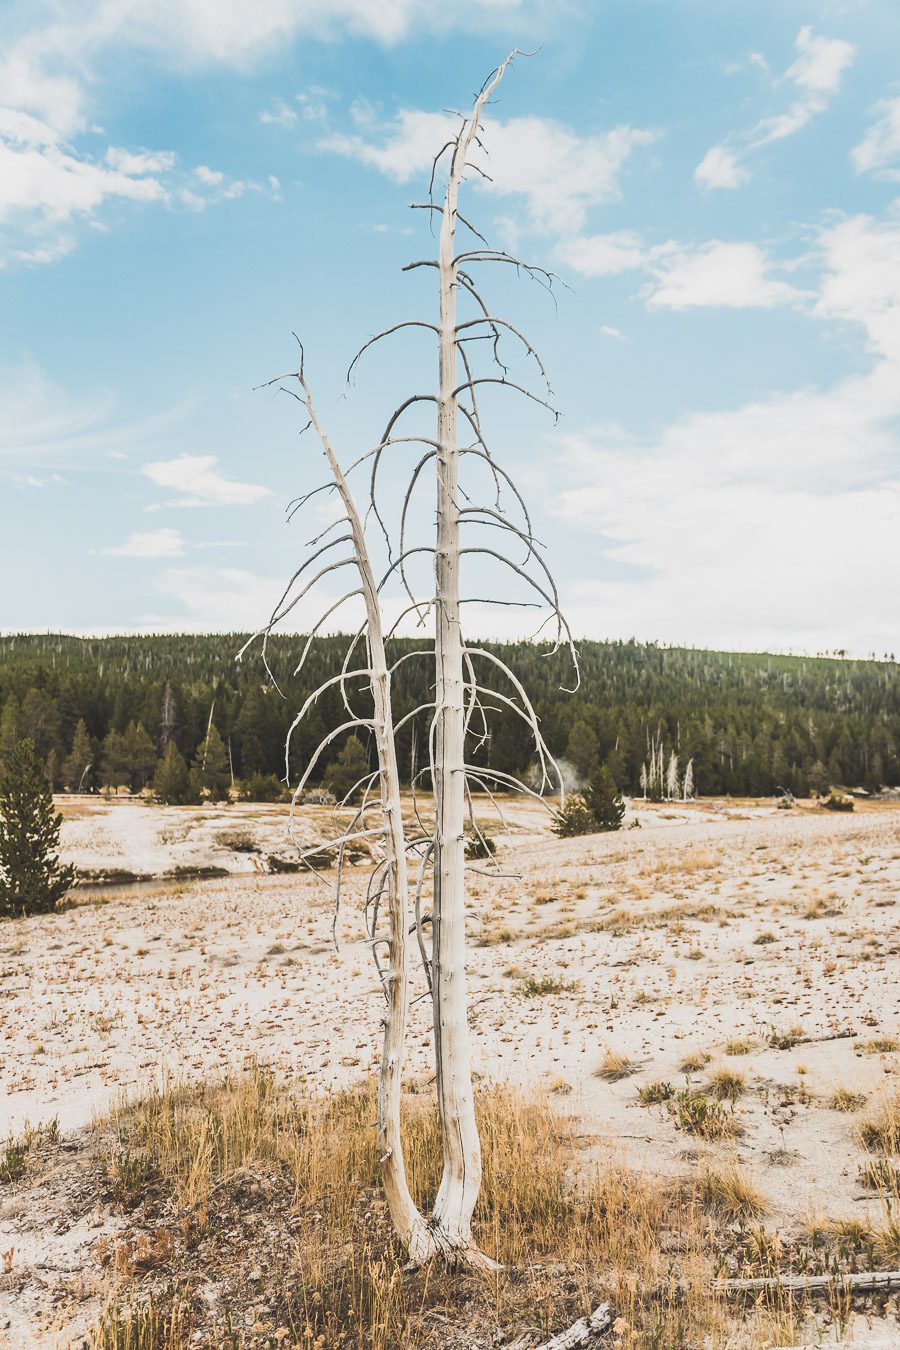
[
  {"x": 461, "y": 1179},
  {"x": 412, "y": 1229}
]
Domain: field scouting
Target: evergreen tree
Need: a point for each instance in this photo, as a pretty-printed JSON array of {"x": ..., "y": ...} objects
[
  {"x": 40, "y": 720},
  {"x": 51, "y": 770},
  {"x": 139, "y": 756},
  {"x": 352, "y": 765},
  {"x": 574, "y": 818},
  {"x": 171, "y": 782},
  {"x": 604, "y": 801},
  {"x": 168, "y": 718},
  {"x": 77, "y": 766},
  {"x": 114, "y": 763},
  {"x": 211, "y": 765},
  {"x": 9, "y": 728},
  {"x": 817, "y": 778},
  {"x": 582, "y": 749},
  {"x": 32, "y": 879}
]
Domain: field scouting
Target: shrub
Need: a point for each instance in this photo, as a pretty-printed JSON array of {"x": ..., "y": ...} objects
[
  {"x": 532, "y": 987},
  {"x": 654, "y": 1094},
  {"x": 480, "y": 846},
  {"x": 574, "y": 818},
  {"x": 837, "y": 801},
  {"x": 263, "y": 787},
  {"x": 702, "y": 1115}
]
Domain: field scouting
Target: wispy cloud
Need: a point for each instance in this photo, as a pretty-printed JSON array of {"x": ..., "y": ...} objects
[
  {"x": 45, "y": 427},
  {"x": 879, "y": 150},
  {"x": 816, "y": 75},
  {"x": 162, "y": 543},
  {"x": 198, "y": 482}
]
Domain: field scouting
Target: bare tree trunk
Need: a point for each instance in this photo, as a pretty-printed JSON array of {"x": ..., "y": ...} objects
[
  {"x": 410, "y": 1225},
  {"x": 461, "y": 1178}
]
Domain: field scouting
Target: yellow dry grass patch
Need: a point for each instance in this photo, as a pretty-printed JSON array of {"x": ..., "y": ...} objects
[{"x": 542, "y": 1211}]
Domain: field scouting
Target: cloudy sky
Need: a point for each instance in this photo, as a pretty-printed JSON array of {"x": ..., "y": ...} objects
[{"x": 183, "y": 183}]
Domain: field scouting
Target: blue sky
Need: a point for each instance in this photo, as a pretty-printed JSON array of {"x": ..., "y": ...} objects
[{"x": 183, "y": 183}]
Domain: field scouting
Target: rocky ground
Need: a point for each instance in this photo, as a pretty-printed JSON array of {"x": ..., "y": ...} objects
[{"x": 718, "y": 936}]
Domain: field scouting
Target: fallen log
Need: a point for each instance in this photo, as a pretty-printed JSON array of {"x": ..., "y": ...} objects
[
  {"x": 862, "y": 1281},
  {"x": 581, "y": 1332}
]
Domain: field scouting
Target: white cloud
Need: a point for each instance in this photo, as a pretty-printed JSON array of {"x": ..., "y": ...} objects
[
  {"x": 862, "y": 281},
  {"x": 279, "y": 115},
  {"x": 45, "y": 186},
  {"x": 559, "y": 173},
  {"x": 162, "y": 543},
  {"x": 879, "y": 150},
  {"x": 53, "y": 185},
  {"x": 199, "y": 483},
  {"x": 820, "y": 63},
  {"x": 721, "y": 275},
  {"x": 770, "y": 525},
  {"x": 816, "y": 74},
  {"x": 603, "y": 255},
  {"x": 137, "y": 163},
  {"x": 719, "y": 169},
  {"x": 773, "y": 525}
]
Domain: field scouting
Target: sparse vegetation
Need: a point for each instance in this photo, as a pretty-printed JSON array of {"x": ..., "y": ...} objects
[
  {"x": 737, "y": 1046},
  {"x": 785, "y": 1038},
  {"x": 727, "y": 1085},
  {"x": 698, "y": 1113},
  {"x": 727, "y": 1192},
  {"x": 614, "y": 1066},
  {"x": 654, "y": 1094},
  {"x": 842, "y": 1099},
  {"x": 880, "y": 1133},
  {"x": 329, "y": 1272},
  {"x": 533, "y": 986}
]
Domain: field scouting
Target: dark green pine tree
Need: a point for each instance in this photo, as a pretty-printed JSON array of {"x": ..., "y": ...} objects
[
  {"x": 344, "y": 777},
  {"x": 32, "y": 879},
  {"x": 211, "y": 764},
  {"x": 171, "y": 782},
  {"x": 77, "y": 767},
  {"x": 604, "y": 800}
]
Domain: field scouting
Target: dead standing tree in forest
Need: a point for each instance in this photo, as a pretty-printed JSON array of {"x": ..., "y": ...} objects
[{"x": 457, "y": 717}]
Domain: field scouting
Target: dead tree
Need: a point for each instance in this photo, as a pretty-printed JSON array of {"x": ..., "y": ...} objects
[{"x": 465, "y": 679}]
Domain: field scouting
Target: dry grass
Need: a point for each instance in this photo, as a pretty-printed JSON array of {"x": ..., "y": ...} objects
[
  {"x": 614, "y": 1066},
  {"x": 727, "y": 1192},
  {"x": 842, "y": 1099},
  {"x": 727, "y": 1085},
  {"x": 567, "y": 1234},
  {"x": 880, "y": 1045},
  {"x": 880, "y": 1133},
  {"x": 702, "y": 1115},
  {"x": 737, "y": 1046}
]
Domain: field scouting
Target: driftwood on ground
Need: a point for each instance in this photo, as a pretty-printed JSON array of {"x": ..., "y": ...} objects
[
  {"x": 863, "y": 1282},
  {"x": 580, "y": 1333}
]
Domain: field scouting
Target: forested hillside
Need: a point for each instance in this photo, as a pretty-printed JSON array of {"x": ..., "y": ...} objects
[{"x": 748, "y": 722}]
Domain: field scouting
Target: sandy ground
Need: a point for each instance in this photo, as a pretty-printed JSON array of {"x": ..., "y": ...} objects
[{"x": 712, "y": 923}]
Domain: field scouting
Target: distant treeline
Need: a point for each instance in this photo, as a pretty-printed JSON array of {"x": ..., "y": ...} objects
[{"x": 100, "y": 711}]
